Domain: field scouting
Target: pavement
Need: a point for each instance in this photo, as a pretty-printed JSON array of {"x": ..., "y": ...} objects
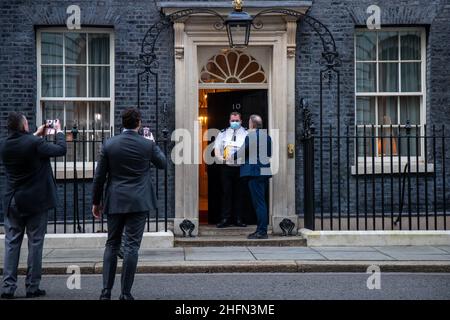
[
  {"x": 256, "y": 259},
  {"x": 254, "y": 286}
]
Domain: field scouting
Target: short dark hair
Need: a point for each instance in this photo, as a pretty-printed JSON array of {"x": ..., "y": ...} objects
[
  {"x": 15, "y": 121},
  {"x": 235, "y": 113},
  {"x": 257, "y": 121},
  {"x": 130, "y": 118}
]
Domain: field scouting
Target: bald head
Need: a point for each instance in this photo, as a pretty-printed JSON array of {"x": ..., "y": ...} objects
[{"x": 255, "y": 122}]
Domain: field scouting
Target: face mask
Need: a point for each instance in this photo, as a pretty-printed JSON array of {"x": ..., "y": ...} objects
[{"x": 235, "y": 125}]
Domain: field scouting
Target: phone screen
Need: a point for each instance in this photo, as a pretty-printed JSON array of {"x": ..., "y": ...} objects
[
  {"x": 147, "y": 134},
  {"x": 50, "y": 127}
]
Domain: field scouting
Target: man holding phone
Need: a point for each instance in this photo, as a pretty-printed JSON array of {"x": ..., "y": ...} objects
[
  {"x": 30, "y": 193},
  {"x": 124, "y": 165}
]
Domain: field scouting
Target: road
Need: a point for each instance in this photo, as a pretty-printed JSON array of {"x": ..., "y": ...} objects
[{"x": 290, "y": 286}]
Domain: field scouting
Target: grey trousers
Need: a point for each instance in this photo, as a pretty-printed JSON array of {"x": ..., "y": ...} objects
[
  {"x": 35, "y": 226},
  {"x": 131, "y": 226}
]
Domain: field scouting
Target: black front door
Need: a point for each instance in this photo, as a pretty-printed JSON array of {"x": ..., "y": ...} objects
[{"x": 220, "y": 105}]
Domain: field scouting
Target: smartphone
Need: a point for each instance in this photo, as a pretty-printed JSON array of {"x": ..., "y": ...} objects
[
  {"x": 147, "y": 134},
  {"x": 50, "y": 127}
]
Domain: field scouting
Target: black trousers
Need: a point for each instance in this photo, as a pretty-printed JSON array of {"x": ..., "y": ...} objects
[
  {"x": 231, "y": 193},
  {"x": 131, "y": 226}
]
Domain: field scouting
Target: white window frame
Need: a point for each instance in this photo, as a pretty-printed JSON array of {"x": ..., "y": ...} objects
[
  {"x": 110, "y": 99},
  {"x": 421, "y": 94}
]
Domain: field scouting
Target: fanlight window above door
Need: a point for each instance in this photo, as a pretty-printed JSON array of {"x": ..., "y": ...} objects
[{"x": 232, "y": 66}]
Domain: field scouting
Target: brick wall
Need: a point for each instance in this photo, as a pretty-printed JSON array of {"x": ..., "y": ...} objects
[
  {"x": 341, "y": 17},
  {"x": 18, "y": 20}
]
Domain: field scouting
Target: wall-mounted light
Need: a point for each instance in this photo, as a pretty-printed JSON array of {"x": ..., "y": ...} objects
[{"x": 238, "y": 26}]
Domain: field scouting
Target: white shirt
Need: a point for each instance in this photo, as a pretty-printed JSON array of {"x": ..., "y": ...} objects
[{"x": 231, "y": 139}]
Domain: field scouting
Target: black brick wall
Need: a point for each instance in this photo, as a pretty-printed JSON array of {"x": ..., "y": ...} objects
[{"x": 342, "y": 17}]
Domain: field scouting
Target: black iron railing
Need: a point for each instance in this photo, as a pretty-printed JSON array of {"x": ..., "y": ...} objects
[
  {"x": 377, "y": 178},
  {"x": 74, "y": 175}
]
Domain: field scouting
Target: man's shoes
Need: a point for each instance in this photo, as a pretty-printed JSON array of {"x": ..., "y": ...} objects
[
  {"x": 258, "y": 235},
  {"x": 126, "y": 296},
  {"x": 105, "y": 295},
  {"x": 223, "y": 224},
  {"x": 240, "y": 224},
  {"x": 7, "y": 296},
  {"x": 36, "y": 294},
  {"x": 252, "y": 234}
]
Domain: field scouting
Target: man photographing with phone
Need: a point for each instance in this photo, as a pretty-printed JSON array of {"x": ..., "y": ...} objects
[
  {"x": 124, "y": 165},
  {"x": 30, "y": 193}
]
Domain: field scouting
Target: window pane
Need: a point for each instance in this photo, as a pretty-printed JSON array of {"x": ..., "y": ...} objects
[
  {"x": 75, "y": 81},
  {"x": 366, "y": 77},
  {"x": 76, "y": 114},
  {"x": 365, "y": 110},
  {"x": 52, "y": 110},
  {"x": 366, "y": 46},
  {"x": 365, "y": 145},
  {"x": 98, "y": 48},
  {"x": 51, "y": 48},
  {"x": 412, "y": 142},
  {"x": 388, "y": 45},
  {"x": 388, "y": 142},
  {"x": 75, "y": 48},
  {"x": 388, "y": 77},
  {"x": 387, "y": 111},
  {"x": 98, "y": 81},
  {"x": 410, "y": 110},
  {"x": 410, "y": 45},
  {"x": 411, "y": 77},
  {"x": 99, "y": 115},
  {"x": 52, "y": 81},
  {"x": 95, "y": 144}
]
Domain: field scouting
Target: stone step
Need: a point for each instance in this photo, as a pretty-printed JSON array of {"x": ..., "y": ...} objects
[
  {"x": 232, "y": 231},
  {"x": 239, "y": 241}
]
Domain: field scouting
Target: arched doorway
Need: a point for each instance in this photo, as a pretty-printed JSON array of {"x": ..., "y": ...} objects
[
  {"x": 267, "y": 64},
  {"x": 247, "y": 94}
]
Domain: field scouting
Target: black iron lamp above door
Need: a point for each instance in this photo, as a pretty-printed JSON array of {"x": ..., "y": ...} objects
[{"x": 238, "y": 24}]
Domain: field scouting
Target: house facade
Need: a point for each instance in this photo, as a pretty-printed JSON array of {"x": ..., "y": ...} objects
[{"x": 379, "y": 106}]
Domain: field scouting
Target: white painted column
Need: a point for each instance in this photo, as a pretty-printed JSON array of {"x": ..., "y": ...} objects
[
  {"x": 186, "y": 175},
  {"x": 284, "y": 116}
]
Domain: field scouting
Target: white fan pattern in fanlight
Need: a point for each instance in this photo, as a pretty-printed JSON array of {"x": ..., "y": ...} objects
[{"x": 232, "y": 66}]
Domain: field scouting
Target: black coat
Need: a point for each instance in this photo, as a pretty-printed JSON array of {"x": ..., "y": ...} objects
[
  {"x": 29, "y": 176},
  {"x": 124, "y": 164}
]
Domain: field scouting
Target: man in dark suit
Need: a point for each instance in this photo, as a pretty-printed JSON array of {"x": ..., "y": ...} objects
[
  {"x": 30, "y": 193},
  {"x": 256, "y": 153},
  {"x": 124, "y": 165}
]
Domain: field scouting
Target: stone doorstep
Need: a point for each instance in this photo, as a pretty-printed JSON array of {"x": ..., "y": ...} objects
[
  {"x": 375, "y": 238},
  {"x": 241, "y": 241},
  {"x": 289, "y": 266},
  {"x": 96, "y": 241}
]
